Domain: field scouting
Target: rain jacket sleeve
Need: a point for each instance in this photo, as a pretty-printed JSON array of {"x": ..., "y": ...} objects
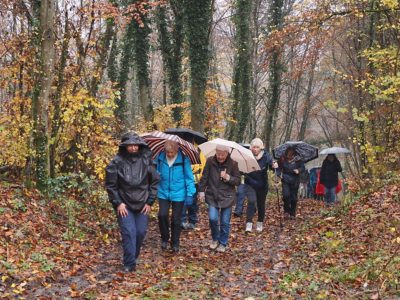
[
  {"x": 112, "y": 184},
  {"x": 154, "y": 179}
]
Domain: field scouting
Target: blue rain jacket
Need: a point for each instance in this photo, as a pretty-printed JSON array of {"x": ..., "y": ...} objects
[{"x": 177, "y": 181}]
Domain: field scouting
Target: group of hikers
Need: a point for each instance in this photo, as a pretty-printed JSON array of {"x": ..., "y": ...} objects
[{"x": 134, "y": 180}]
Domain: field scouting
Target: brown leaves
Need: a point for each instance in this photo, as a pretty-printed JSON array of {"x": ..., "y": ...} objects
[{"x": 323, "y": 254}]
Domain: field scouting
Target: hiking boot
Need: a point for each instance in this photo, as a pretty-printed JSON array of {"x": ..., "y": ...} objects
[
  {"x": 190, "y": 226},
  {"x": 185, "y": 225},
  {"x": 214, "y": 245},
  {"x": 259, "y": 226},
  {"x": 237, "y": 215},
  {"x": 175, "y": 249},
  {"x": 221, "y": 248},
  {"x": 249, "y": 227}
]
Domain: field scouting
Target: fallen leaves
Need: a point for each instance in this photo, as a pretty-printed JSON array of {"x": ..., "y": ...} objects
[{"x": 323, "y": 254}]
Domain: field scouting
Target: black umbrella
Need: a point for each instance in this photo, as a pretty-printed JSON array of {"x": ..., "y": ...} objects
[
  {"x": 306, "y": 151},
  {"x": 188, "y": 135}
]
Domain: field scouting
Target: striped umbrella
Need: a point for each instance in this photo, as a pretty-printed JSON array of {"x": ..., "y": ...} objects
[{"x": 156, "y": 141}]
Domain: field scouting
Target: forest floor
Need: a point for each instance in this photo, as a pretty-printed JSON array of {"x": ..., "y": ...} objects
[{"x": 53, "y": 250}]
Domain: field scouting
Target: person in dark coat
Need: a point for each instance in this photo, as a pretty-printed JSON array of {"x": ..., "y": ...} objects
[
  {"x": 329, "y": 177},
  {"x": 217, "y": 187},
  {"x": 131, "y": 183},
  {"x": 256, "y": 185},
  {"x": 290, "y": 167}
]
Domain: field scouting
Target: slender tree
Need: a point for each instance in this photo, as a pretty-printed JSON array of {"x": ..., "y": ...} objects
[
  {"x": 141, "y": 50},
  {"x": 44, "y": 37},
  {"x": 242, "y": 70},
  {"x": 198, "y": 16},
  {"x": 275, "y": 72},
  {"x": 171, "y": 43}
]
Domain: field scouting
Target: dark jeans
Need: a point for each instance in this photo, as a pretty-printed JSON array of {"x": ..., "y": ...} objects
[
  {"x": 289, "y": 194},
  {"x": 163, "y": 218},
  {"x": 240, "y": 195},
  {"x": 133, "y": 229},
  {"x": 330, "y": 195},
  {"x": 261, "y": 198},
  {"x": 189, "y": 213}
]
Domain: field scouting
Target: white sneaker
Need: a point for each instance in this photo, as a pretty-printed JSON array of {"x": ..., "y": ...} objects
[
  {"x": 214, "y": 245},
  {"x": 221, "y": 248},
  {"x": 259, "y": 226},
  {"x": 249, "y": 227}
]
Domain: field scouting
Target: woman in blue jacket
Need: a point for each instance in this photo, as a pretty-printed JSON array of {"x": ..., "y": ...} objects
[{"x": 175, "y": 189}]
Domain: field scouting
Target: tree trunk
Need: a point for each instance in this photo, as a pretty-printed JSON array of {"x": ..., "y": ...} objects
[
  {"x": 307, "y": 103},
  {"x": 142, "y": 48},
  {"x": 275, "y": 76},
  {"x": 171, "y": 49},
  {"x": 198, "y": 16},
  {"x": 241, "y": 83},
  {"x": 57, "y": 99},
  {"x": 44, "y": 12}
]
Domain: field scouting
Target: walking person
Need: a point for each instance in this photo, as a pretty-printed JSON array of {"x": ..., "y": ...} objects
[
  {"x": 256, "y": 185},
  {"x": 176, "y": 187},
  {"x": 190, "y": 212},
  {"x": 329, "y": 177},
  {"x": 217, "y": 188},
  {"x": 240, "y": 196},
  {"x": 290, "y": 167},
  {"x": 304, "y": 180},
  {"x": 131, "y": 183}
]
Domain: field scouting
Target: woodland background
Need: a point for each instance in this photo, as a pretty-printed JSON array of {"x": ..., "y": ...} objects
[{"x": 75, "y": 75}]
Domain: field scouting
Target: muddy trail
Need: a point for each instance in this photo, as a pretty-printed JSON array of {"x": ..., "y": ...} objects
[
  {"x": 250, "y": 267},
  {"x": 310, "y": 257}
]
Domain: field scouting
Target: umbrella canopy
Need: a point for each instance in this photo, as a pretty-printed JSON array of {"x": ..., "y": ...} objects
[
  {"x": 188, "y": 135},
  {"x": 306, "y": 151},
  {"x": 335, "y": 150},
  {"x": 244, "y": 157},
  {"x": 156, "y": 141}
]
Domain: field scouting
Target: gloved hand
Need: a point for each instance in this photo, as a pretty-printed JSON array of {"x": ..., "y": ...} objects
[{"x": 189, "y": 200}]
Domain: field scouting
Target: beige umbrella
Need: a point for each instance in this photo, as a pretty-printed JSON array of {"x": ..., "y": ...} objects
[{"x": 244, "y": 157}]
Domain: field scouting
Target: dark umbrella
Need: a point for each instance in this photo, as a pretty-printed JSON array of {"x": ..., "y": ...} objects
[
  {"x": 306, "y": 151},
  {"x": 188, "y": 135}
]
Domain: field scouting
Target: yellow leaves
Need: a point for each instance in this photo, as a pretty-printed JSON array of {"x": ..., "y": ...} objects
[
  {"x": 15, "y": 129},
  {"x": 86, "y": 125},
  {"x": 163, "y": 117},
  {"x": 391, "y": 4}
]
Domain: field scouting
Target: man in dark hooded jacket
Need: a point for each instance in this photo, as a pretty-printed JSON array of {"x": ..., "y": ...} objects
[{"x": 131, "y": 184}]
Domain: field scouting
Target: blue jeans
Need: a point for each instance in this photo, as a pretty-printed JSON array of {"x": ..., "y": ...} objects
[
  {"x": 240, "y": 195},
  {"x": 133, "y": 229},
  {"x": 330, "y": 195},
  {"x": 189, "y": 213},
  {"x": 220, "y": 226}
]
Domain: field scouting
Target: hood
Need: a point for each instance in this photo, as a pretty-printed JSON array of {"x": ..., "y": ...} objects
[{"x": 132, "y": 138}]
